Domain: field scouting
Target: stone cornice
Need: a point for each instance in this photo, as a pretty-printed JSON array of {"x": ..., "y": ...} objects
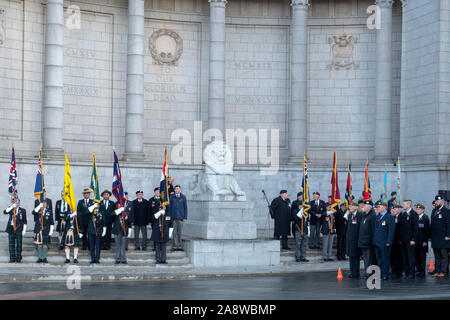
[
  {"x": 384, "y": 3},
  {"x": 217, "y": 3},
  {"x": 300, "y": 4}
]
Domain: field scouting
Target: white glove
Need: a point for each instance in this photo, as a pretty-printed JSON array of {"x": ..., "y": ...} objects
[
  {"x": 159, "y": 213},
  {"x": 104, "y": 232},
  {"x": 24, "y": 229},
  {"x": 51, "y": 231},
  {"x": 308, "y": 231},
  {"x": 329, "y": 213},
  {"x": 170, "y": 232},
  {"x": 91, "y": 208},
  {"x": 8, "y": 210},
  {"x": 300, "y": 213},
  {"x": 119, "y": 211},
  {"x": 346, "y": 215},
  {"x": 80, "y": 235},
  {"x": 129, "y": 232},
  {"x": 38, "y": 207},
  {"x": 73, "y": 214}
]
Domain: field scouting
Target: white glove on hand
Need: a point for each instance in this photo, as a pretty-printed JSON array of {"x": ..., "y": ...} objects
[
  {"x": 308, "y": 231},
  {"x": 346, "y": 215},
  {"x": 80, "y": 235},
  {"x": 73, "y": 214},
  {"x": 159, "y": 213},
  {"x": 300, "y": 213},
  {"x": 91, "y": 208},
  {"x": 119, "y": 211},
  {"x": 329, "y": 213},
  {"x": 129, "y": 233},
  {"x": 104, "y": 232},
  {"x": 170, "y": 233},
  {"x": 8, "y": 210},
  {"x": 38, "y": 207},
  {"x": 51, "y": 231},
  {"x": 24, "y": 229}
]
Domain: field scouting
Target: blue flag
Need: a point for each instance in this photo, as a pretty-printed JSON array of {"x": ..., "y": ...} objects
[{"x": 39, "y": 185}]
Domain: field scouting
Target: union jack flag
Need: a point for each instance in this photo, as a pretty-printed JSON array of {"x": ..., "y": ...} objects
[
  {"x": 117, "y": 187},
  {"x": 12, "y": 182}
]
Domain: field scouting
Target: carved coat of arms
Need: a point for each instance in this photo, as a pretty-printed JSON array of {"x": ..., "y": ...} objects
[{"x": 343, "y": 51}]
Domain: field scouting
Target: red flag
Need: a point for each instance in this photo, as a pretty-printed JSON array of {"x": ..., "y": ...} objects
[
  {"x": 335, "y": 195},
  {"x": 367, "y": 194}
]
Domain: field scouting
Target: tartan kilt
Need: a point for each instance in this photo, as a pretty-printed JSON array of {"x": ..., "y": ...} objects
[
  {"x": 76, "y": 238},
  {"x": 61, "y": 225},
  {"x": 15, "y": 245},
  {"x": 46, "y": 240}
]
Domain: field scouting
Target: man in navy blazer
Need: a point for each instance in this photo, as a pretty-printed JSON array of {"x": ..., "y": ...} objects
[
  {"x": 383, "y": 236},
  {"x": 178, "y": 211}
]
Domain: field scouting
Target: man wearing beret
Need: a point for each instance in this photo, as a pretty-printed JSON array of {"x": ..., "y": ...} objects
[
  {"x": 396, "y": 248},
  {"x": 353, "y": 252},
  {"x": 440, "y": 237},
  {"x": 365, "y": 236},
  {"x": 317, "y": 214},
  {"x": 141, "y": 210},
  {"x": 383, "y": 237},
  {"x": 422, "y": 240},
  {"x": 107, "y": 208},
  {"x": 409, "y": 228},
  {"x": 392, "y": 201},
  {"x": 299, "y": 228},
  {"x": 281, "y": 208}
]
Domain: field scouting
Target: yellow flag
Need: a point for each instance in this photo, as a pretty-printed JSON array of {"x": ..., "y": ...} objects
[{"x": 69, "y": 195}]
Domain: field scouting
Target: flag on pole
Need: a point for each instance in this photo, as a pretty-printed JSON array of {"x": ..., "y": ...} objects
[
  {"x": 69, "y": 194},
  {"x": 39, "y": 187},
  {"x": 94, "y": 181},
  {"x": 384, "y": 197},
  {"x": 12, "y": 182},
  {"x": 335, "y": 194},
  {"x": 305, "y": 188},
  {"x": 348, "y": 189},
  {"x": 398, "y": 179},
  {"x": 164, "y": 184},
  {"x": 367, "y": 194},
  {"x": 117, "y": 186}
]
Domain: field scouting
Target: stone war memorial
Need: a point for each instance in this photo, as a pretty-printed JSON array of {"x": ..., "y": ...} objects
[{"x": 238, "y": 92}]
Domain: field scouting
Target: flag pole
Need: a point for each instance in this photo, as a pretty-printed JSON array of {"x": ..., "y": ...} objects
[
  {"x": 42, "y": 188},
  {"x": 14, "y": 193}
]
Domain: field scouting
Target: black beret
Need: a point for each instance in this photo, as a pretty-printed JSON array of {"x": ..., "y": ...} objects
[
  {"x": 126, "y": 193},
  {"x": 439, "y": 197},
  {"x": 368, "y": 202},
  {"x": 299, "y": 194},
  {"x": 139, "y": 191},
  {"x": 393, "y": 192},
  {"x": 155, "y": 189},
  {"x": 316, "y": 192},
  {"x": 283, "y": 191}
]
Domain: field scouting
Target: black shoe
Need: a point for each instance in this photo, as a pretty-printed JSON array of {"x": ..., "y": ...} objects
[
  {"x": 67, "y": 261},
  {"x": 304, "y": 260},
  {"x": 45, "y": 260},
  {"x": 39, "y": 260},
  {"x": 83, "y": 248},
  {"x": 405, "y": 277},
  {"x": 297, "y": 260},
  {"x": 92, "y": 261},
  {"x": 60, "y": 248},
  {"x": 330, "y": 260},
  {"x": 19, "y": 261},
  {"x": 157, "y": 262},
  {"x": 411, "y": 276},
  {"x": 124, "y": 262},
  {"x": 75, "y": 261},
  {"x": 137, "y": 248},
  {"x": 325, "y": 260},
  {"x": 163, "y": 262},
  {"x": 421, "y": 275},
  {"x": 385, "y": 278},
  {"x": 126, "y": 249},
  {"x": 12, "y": 260},
  {"x": 97, "y": 261},
  {"x": 343, "y": 258},
  {"x": 144, "y": 249},
  {"x": 117, "y": 262}
]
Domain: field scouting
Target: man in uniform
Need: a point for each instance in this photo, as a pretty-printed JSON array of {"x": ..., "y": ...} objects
[
  {"x": 396, "y": 250},
  {"x": 409, "y": 228},
  {"x": 122, "y": 226},
  {"x": 317, "y": 212},
  {"x": 178, "y": 213},
  {"x": 16, "y": 228},
  {"x": 155, "y": 202},
  {"x": 328, "y": 231},
  {"x": 422, "y": 240},
  {"x": 107, "y": 207},
  {"x": 341, "y": 225},
  {"x": 84, "y": 215},
  {"x": 161, "y": 222},
  {"x": 353, "y": 252},
  {"x": 383, "y": 236},
  {"x": 300, "y": 228},
  {"x": 440, "y": 237},
  {"x": 365, "y": 235},
  {"x": 43, "y": 231},
  {"x": 96, "y": 231},
  {"x": 71, "y": 234},
  {"x": 141, "y": 210},
  {"x": 48, "y": 200},
  {"x": 60, "y": 212},
  {"x": 281, "y": 208}
]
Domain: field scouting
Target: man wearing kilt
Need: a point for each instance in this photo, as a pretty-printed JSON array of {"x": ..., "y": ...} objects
[
  {"x": 43, "y": 230},
  {"x": 62, "y": 207},
  {"x": 16, "y": 228},
  {"x": 71, "y": 235}
]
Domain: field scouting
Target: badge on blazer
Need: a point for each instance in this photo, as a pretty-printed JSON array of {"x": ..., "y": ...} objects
[
  {"x": 421, "y": 225},
  {"x": 354, "y": 222},
  {"x": 167, "y": 218},
  {"x": 440, "y": 216},
  {"x": 383, "y": 223},
  {"x": 407, "y": 218}
]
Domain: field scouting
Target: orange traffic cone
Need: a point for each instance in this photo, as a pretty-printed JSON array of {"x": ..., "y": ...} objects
[
  {"x": 339, "y": 276},
  {"x": 431, "y": 266}
]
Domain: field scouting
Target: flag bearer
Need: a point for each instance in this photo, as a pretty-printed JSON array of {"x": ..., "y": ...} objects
[
  {"x": 61, "y": 208},
  {"x": 96, "y": 230},
  {"x": 122, "y": 226},
  {"x": 161, "y": 222},
  {"x": 299, "y": 228},
  {"x": 16, "y": 228},
  {"x": 43, "y": 230},
  {"x": 72, "y": 235}
]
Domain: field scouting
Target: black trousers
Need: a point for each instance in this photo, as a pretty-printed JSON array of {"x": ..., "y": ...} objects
[
  {"x": 85, "y": 242},
  {"x": 106, "y": 240},
  {"x": 397, "y": 260},
  {"x": 340, "y": 244},
  {"x": 284, "y": 241},
  {"x": 409, "y": 259},
  {"x": 354, "y": 265},
  {"x": 421, "y": 257},
  {"x": 160, "y": 254},
  {"x": 441, "y": 260},
  {"x": 368, "y": 259}
]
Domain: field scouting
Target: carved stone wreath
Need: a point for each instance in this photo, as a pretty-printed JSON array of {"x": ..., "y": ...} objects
[{"x": 168, "y": 51}]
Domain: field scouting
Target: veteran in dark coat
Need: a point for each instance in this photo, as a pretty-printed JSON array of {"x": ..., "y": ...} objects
[
  {"x": 341, "y": 226},
  {"x": 61, "y": 208},
  {"x": 423, "y": 235},
  {"x": 365, "y": 236},
  {"x": 107, "y": 208},
  {"x": 281, "y": 209},
  {"x": 409, "y": 228},
  {"x": 96, "y": 230},
  {"x": 121, "y": 228},
  {"x": 353, "y": 252},
  {"x": 440, "y": 237},
  {"x": 84, "y": 215},
  {"x": 383, "y": 237},
  {"x": 317, "y": 213},
  {"x": 396, "y": 250},
  {"x": 161, "y": 222},
  {"x": 17, "y": 219},
  {"x": 141, "y": 210}
]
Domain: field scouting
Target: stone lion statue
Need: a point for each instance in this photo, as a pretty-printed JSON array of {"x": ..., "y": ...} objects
[{"x": 218, "y": 180}]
